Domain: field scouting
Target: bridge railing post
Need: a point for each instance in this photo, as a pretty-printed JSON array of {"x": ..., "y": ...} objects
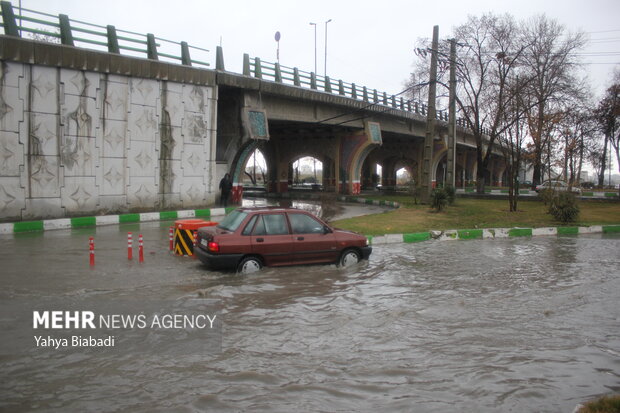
[
  {"x": 185, "y": 58},
  {"x": 353, "y": 91},
  {"x": 258, "y": 71},
  {"x": 65, "y": 30},
  {"x": 341, "y": 87},
  {"x": 8, "y": 19},
  {"x": 151, "y": 47},
  {"x": 278, "y": 73},
  {"x": 296, "y": 80},
  {"x": 313, "y": 80},
  {"x": 365, "y": 94},
  {"x": 112, "y": 40},
  {"x": 246, "y": 65},
  {"x": 328, "y": 84}
]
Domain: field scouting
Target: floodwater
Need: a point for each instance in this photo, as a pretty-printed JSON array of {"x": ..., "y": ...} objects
[{"x": 524, "y": 324}]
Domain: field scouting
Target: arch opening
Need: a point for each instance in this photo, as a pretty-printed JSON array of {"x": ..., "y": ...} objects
[
  {"x": 255, "y": 171},
  {"x": 307, "y": 173}
]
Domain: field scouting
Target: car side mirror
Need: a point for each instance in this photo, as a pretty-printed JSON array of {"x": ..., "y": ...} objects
[{"x": 326, "y": 230}]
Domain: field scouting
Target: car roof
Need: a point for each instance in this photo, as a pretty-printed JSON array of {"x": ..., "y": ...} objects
[{"x": 269, "y": 209}]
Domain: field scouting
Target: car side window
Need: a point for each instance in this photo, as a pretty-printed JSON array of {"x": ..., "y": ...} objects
[
  {"x": 271, "y": 224},
  {"x": 305, "y": 224},
  {"x": 248, "y": 228},
  {"x": 275, "y": 224}
]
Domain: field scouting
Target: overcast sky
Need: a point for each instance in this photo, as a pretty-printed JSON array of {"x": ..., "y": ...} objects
[{"x": 369, "y": 42}]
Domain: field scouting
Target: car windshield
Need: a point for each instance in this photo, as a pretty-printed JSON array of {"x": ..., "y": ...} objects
[{"x": 232, "y": 220}]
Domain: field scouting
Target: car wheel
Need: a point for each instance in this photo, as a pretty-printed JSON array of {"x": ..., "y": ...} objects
[
  {"x": 249, "y": 265},
  {"x": 349, "y": 257}
]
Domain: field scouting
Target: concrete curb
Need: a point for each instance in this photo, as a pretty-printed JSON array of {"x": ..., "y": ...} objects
[
  {"x": 82, "y": 222},
  {"x": 490, "y": 233}
]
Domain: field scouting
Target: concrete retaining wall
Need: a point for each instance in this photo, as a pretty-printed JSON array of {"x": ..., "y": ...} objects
[{"x": 79, "y": 142}]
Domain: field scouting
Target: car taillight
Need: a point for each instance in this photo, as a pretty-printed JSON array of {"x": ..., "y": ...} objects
[{"x": 213, "y": 246}]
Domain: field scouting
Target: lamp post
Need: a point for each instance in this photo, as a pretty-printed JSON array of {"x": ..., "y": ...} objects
[
  {"x": 314, "y": 24},
  {"x": 325, "y": 73}
]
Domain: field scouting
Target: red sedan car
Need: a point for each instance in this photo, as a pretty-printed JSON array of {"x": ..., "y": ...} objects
[{"x": 250, "y": 238}]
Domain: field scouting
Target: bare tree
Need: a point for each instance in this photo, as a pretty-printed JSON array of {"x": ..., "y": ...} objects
[
  {"x": 608, "y": 116},
  {"x": 552, "y": 65},
  {"x": 490, "y": 50},
  {"x": 578, "y": 129},
  {"x": 494, "y": 48},
  {"x": 512, "y": 142}
]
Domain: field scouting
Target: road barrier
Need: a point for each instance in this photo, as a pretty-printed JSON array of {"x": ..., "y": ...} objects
[
  {"x": 171, "y": 237},
  {"x": 185, "y": 235},
  {"x": 91, "y": 247},
  {"x": 129, "y": 246},
  {"x": 140, "y": 248}
]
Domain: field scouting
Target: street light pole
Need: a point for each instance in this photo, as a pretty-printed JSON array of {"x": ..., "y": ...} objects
[
  {"x": 325, "y": 72},
  {"x": 314, "y": 24}
]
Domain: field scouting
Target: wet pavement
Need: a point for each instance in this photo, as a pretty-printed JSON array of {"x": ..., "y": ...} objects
[{"x": 521, "y": 324}]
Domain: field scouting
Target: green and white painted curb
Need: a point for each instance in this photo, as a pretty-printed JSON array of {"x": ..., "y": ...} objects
[
  {"x": 490, "y": 233},
  {"x": 82, "y": 222}
]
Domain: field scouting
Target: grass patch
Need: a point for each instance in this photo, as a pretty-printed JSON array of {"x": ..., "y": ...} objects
[
  {"x": 473, "y": 214},
  {"x": 606, "y": 404}
]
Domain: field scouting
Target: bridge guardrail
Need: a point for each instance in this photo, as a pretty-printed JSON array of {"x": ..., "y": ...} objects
[
  {"x": 295, "y": 77},
  {"x": 63, "y": 30}
]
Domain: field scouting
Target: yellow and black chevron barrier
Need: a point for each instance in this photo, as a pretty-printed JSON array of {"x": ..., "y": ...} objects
[
  {"x": 184, "y": 242},
  {"x": 184, "y": 235}
]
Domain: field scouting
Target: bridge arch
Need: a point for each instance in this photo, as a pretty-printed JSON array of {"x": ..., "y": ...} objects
[{"x": 240, "y": 162}]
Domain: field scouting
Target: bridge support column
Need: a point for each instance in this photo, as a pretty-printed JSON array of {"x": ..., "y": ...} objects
[
  {"x": 237, "y": 193},
  {"x": 353, "y": 151}
]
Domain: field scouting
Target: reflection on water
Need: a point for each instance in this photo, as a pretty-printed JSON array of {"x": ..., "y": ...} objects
[
  {"x": 326, "y": 208},
  {"x": 484, "y": 325}
]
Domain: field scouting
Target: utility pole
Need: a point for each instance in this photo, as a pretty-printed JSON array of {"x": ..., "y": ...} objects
[
  {"x": 427, "y": 175},
  {"x": 451, "y": 172}
]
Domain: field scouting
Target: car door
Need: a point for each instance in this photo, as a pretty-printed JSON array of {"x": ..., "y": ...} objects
[
  {"x": 313, "y": 242},
  {"x": 272, "y": 240}
]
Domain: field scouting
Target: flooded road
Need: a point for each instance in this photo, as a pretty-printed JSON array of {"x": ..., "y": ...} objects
[{"x": 522, "y": 324}]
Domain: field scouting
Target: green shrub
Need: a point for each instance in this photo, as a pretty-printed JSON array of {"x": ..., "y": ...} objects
[
  {"x": 547, "y": 195},
  {"x": 563, "y": 206},
  {"x": 439, "y": 199}
]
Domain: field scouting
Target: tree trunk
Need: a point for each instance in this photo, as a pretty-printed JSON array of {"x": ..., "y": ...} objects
[
  {"x": 537, "y": 174},
  {"x": 601, "y": 175}
]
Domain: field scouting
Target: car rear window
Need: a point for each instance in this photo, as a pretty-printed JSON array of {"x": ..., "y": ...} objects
[{"x": 233, "y": 220}]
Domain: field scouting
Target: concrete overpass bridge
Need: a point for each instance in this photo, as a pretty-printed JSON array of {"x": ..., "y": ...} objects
[{"x": 105, "y": 121}]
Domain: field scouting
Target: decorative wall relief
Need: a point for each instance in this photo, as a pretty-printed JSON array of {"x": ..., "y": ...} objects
[{"x": 74, "y": 142}]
